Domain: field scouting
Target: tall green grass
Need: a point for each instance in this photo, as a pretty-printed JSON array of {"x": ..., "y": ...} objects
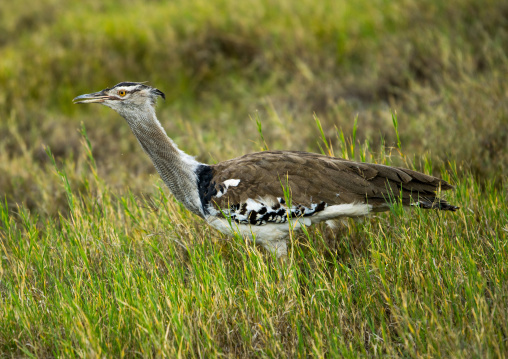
[
  {"x": 440, "y": 65},
  {"x": 122, "y": 275}
]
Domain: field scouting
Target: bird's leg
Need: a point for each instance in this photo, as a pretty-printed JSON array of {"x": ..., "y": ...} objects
[{"x": 279, "y": 248}]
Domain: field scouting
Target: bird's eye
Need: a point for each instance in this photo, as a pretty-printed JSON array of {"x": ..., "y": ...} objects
[{"x": 122, "y": 93}]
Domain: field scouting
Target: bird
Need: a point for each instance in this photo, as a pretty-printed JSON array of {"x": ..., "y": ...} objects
[{"x": 262, "y": 196}]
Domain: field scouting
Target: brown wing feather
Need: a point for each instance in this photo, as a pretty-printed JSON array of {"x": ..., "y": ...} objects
[{"x": 315, "y": 178}]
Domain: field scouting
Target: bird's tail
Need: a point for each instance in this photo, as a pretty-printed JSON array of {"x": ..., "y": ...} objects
[{"x": 434, "y": 203}]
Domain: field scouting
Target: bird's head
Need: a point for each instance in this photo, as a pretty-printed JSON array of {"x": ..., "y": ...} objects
[{"x": 124, "y": 98}]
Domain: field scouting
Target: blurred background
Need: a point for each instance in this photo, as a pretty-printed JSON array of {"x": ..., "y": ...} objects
[{"x": 223, "y": 64}]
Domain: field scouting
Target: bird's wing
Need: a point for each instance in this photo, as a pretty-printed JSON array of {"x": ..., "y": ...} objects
[{"x": 313, "y": 181}]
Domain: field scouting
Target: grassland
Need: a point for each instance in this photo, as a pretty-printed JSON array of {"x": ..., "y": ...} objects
[{"x": 98, "y": 260}]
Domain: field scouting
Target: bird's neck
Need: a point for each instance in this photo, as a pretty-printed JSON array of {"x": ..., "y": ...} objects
[{"x": 176, "y": 168}]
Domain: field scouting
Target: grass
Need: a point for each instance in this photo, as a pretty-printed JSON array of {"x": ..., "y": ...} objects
[
  {"x": 98, "y": 260},
  {"x": 121, "y": 275}
]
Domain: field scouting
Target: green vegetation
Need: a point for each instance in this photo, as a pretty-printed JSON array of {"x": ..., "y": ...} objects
[{"x": 97, "y": 259}]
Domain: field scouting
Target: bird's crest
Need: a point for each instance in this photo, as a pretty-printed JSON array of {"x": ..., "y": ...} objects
[{"x": 140, "y": 86}]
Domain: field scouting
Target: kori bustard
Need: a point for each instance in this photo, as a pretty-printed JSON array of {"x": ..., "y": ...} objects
[{"x": 246, "y": 194}]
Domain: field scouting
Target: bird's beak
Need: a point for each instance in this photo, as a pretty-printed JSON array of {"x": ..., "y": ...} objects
[{"x": 96, "y": 97}]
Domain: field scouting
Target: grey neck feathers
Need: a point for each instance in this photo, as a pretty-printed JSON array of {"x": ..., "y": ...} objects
[{"x": 176, "y": 168}]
